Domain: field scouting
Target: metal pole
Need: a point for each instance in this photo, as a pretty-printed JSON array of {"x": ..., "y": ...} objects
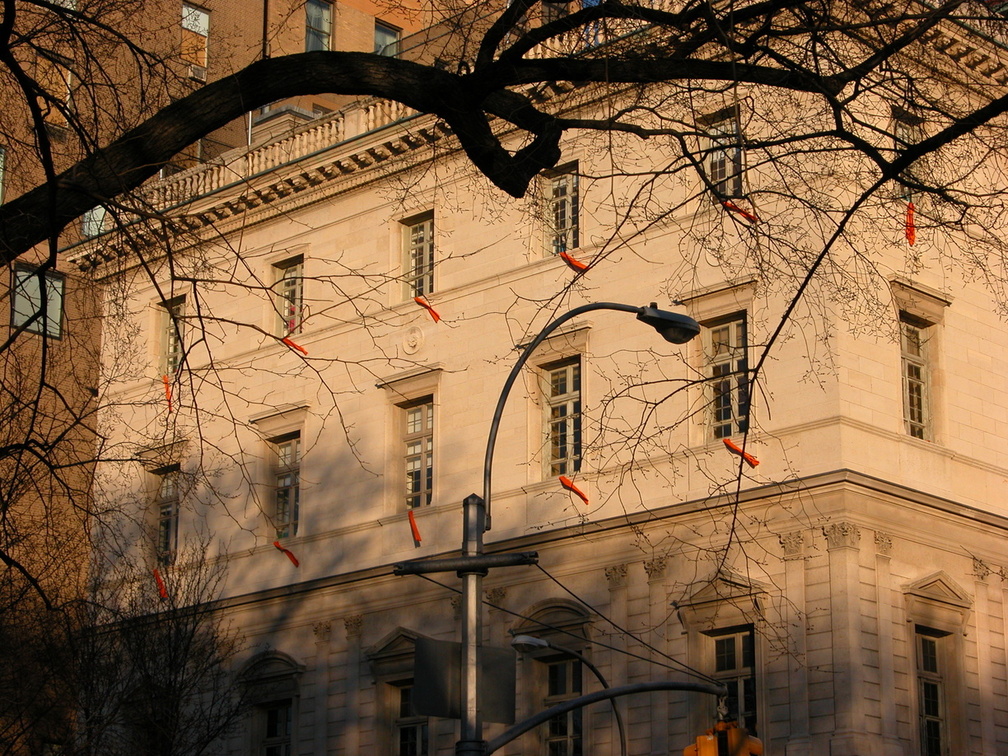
[
  {"x": 474, "y": 518},
  {"x": 598, "y": 676}
]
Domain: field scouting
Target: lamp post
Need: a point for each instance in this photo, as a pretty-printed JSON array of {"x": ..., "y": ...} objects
[
  {"x": 531, "y": 643},
  {"x": 473, "y": 565}
]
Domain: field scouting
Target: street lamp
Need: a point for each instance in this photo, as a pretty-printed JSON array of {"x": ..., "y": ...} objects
[
  {"x": 527, "y": 643},
  {"x": 474, "y": 564}
]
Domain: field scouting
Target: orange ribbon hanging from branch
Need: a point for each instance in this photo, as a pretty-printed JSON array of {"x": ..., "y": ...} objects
[
  {"x": 911, "y": 228},
  {"x": 569, "y": 485},
  {"x": 573, "y": 263},
  {"x": 728, "y": 205},
  {"x": 288, "y": 552},
  {"x": 415, "y": 530},
  {"x": 735, "y": 449},
  {"x": 162, "y": 591},
  {"x": 422, "y": 301},
  {"x": 167, "y": 391},
  {"x": 293, "y": 345}
]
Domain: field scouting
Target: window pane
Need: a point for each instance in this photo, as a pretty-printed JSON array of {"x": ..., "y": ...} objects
[
  {"x": 318, "y": 25},
  {"x": 386, "y": 40},
  {"x": 28, "y": 302}
]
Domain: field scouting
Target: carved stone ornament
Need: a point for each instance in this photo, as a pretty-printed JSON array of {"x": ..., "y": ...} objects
[
  {"x": 496, "y": 596},
  {"x": 456, "y": 605},
  {"x": 655, "y": 568},
  {"x": 616, "y": 575},
  {"x": 353, "y": 624},
  {"x": 322, "y": 630},
  {"x": 413, "y": 340},
  {"x": 793, "y": 544},
  {"x": 842, "y": 535},
  {"x": 980, "y": 569},
  {"x": 883, "y": 544}
]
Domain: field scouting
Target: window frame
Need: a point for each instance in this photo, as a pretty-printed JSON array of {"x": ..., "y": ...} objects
[
  {"x": 416, "y": 498},
  {"x": 915, "y": 374},
  {"x": 167, "y": 506},
  {"x": 419, "y": 254},
  {"x": 564, "y": 451},
  {"x": 573, "y": 730},
  {"x": 736, "y": 676},
  {"x": 934, "y": 678},
  {"x": 736, "y": 376},
  {"x": 285, "y": 478},
  {"x": 196, "y": 21},
  {"x": 43, "y": 325},
  {"x": 389, "y": 49},
  {"x": 93, "y": 221},
  {"x": 563, "y": 208},
  {"x": 318, "y": 38},
  {"x": 406, "y": 722},
  {"x": 907, "y": 130},
  {"x": 289, "y": 299},
  {"x": 171, "y": 350},
  {"x": 725, "y": 157}
]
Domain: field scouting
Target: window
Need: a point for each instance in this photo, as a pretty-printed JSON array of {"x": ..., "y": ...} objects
[
  {"x": 724, "y": 160},
  {"x": 418, "y": 239},
  {"x": 318, "y": 25},
  {"x": 908, "y": 130},
  {"x": 287, "y": 482},
  {"x": 553, "y": 11},
  {"x": 419, "y": 452},
  {"x": 931, "y": 692},
  {"x": 727, "y": 359},
  {"x": 563, "y": 212},
  {"x": 172, "y": 349},
  {"x": 564, "y": 422},
  {"x": 735, "y": 667},
  {"x": 386, "y": 40},
  {"x": 913, "y": 351},
  {"x": 195, "y": 35},
  {"x": 167, "y": 503},
  {"x": 37, "y": 301},
  {"x": 289, "y": 288},
  {"x": 563, "y": 682},
  {"x": 55, "y": 79},
  {"x": 277, "y": 718},
  {"x": 412, "y": 736},
  {"x": 93, "y": 221}
]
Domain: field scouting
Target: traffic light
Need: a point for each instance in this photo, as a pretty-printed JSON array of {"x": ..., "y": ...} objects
[{"x": 726, "y": 739}]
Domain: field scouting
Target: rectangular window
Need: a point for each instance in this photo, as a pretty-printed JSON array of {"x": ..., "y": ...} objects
[
  {"x": 908, "y": 130},
  {"x": 93, "y": 221},
  {"x": 735, "y": 667},
  {"x": 37, "y": 301},
  {"x": 386, "y": 40},
  {"x": 931, "y": 692},
  {"x": 412, "y": 734},
  {"x": 318, "y": 25},
  {"x": 55, "y": 79},
  {"x": 289, "y": 288},
  {"x": 724, "y": 160},
  {"x": 563, "y": 212},
  {"x": 172, "y": 348},
  {"x": 287, "y": 484},
  {"x": 277, "y": 720},
  {"x": 914, "y": 355},
  {"x": 418, "y": 240},
  {"x": 167, "y": 503},
  {"x": 195, "y": 36},
  {"x": 727, "y": 359},
  {"x": 563, "y": 682},
  {"x": 419, "y": 453},
  {"x": 563, "y": 391}
]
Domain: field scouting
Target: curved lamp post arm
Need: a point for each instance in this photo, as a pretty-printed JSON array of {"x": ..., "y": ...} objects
[
  {"x": 605, "y": 685},
  {"x": 673, "y": 327},
  {"x": 600, "y": 695}
]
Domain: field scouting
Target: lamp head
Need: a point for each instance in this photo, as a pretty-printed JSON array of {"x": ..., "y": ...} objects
[
  {"x": 528, "y": 643},
  {"x": 672, "y": 326}
]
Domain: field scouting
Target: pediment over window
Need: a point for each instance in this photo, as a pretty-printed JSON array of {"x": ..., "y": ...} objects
[
  {"x": 558, "y": 620},
  {"x": 271, "y": 676},
  {"x": 393, "y": 654},
  {"x": 724, "y": 601},
  {"x": 937, "y": 601}
]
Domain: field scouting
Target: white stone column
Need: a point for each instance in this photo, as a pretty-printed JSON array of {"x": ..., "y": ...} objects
[
  {"x": 891, "y": 744},
  {"x": 795, "y": 616},
  {"x": 843, "y": 539},
  {"x": 659, "y": 610},
  {"x": 988, "y": 732},
  {"x": 616, "y": 577},
  {"x": 351, "y": 710},
  {"x": 322, "y": 631}
]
